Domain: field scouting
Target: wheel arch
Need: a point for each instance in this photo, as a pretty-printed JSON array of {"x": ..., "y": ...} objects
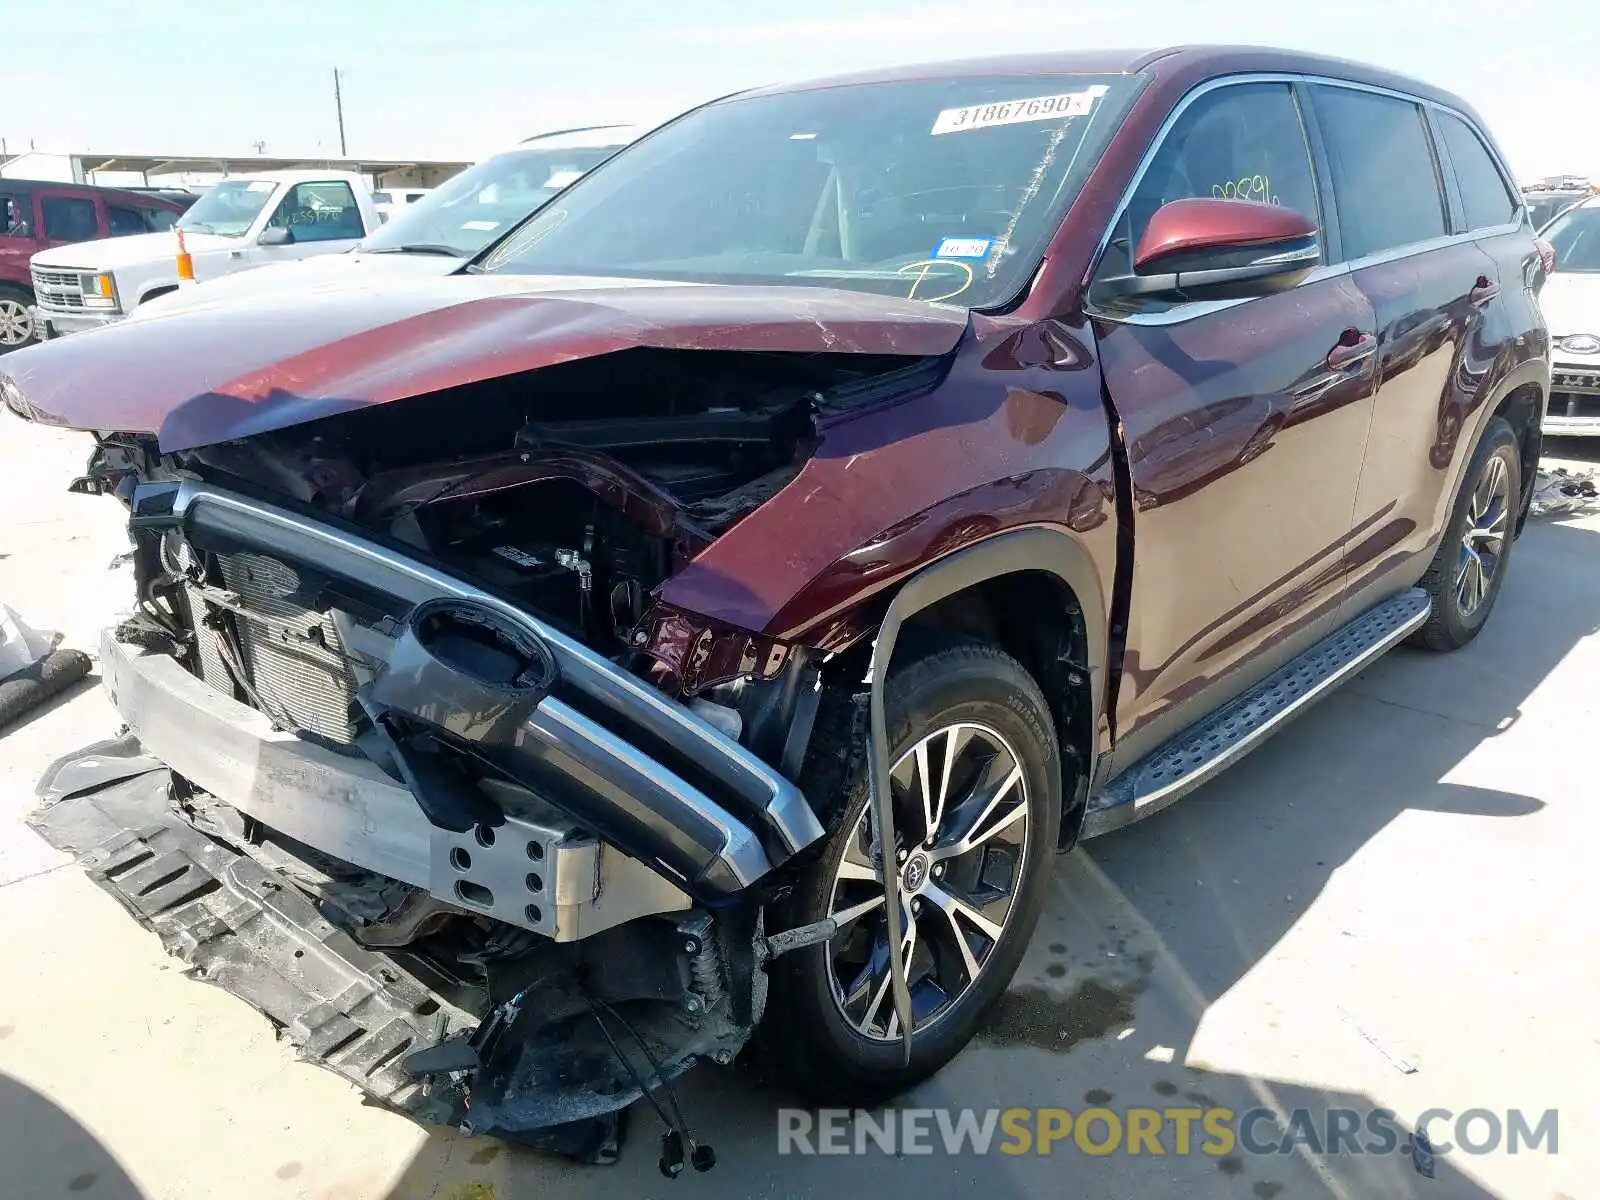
[
  {"x": 1521, "y": 403},
  {"x": 160, "y": 289},
  {"x": 992, "y": 584}
]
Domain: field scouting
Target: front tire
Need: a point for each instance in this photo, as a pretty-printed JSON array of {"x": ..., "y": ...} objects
[
  {"x": 977, "y": 787},
  {"x": 16, "y": 323},
  {"x": 1469, "y": 568}
]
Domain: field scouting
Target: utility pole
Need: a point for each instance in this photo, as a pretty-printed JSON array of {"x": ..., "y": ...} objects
[{"x": 338, "y": 104}]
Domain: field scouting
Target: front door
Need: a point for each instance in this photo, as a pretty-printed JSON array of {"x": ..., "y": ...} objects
[
  {"x": 17, "y": 245},
  {"x": 323, "y": 218},
  {"x": 1244, "y": 423}
]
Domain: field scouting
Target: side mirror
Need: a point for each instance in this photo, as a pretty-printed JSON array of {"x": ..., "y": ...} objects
[
  {"x": 1206, "y": 249},
  {"x": 276, "y": 235}
]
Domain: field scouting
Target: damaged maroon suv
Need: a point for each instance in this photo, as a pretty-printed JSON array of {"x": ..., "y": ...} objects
[{"x": 701, "y": 619}]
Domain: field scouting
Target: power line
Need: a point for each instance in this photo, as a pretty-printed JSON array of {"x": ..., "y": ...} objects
[{"x": 338, "y": 104}]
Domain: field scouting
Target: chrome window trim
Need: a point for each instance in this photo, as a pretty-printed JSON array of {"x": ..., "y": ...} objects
[{"x": 1199, "y": 308}]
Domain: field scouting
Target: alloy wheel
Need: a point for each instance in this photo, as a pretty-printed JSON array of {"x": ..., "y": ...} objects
[
  {"x": 16, "y": 324},
  {"x": 960, "y": 840},
  {"x": 1484, "y": 541}
]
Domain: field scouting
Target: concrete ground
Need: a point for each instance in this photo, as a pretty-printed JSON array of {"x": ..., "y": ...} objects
[{"x": 1389, "y": 905}]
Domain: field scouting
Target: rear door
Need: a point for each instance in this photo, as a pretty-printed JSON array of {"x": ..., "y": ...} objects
[
  {"x": 67, "y": 217},
  {"x": 1429, "y": 284},
  {"x": 1244, "y": 438}
]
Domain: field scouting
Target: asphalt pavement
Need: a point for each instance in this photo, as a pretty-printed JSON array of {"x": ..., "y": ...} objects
[{"x": 1389, "y": 906}]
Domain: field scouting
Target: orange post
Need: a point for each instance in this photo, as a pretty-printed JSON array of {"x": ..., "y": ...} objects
[{"x": 185, "y": 261}]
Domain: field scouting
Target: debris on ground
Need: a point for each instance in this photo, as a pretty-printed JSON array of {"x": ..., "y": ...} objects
[
  {"x": 1558, "y": 491},
  {"x": 1395, "y": 1060},
  {"x": 33, "y": 666}
]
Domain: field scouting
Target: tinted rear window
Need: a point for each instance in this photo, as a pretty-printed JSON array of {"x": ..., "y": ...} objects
[
  {"x": 67, "y": 219},
  {"x": 1383, "y": 174},
  {"x": 1484, "y": 194}
]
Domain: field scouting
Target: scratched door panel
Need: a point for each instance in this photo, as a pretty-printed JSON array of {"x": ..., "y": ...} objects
[
  {"x": 1243, "y": 456},
  {"x": 1431, "y": 360},
  {"x": 1243, "y": 442},
  {"x": 1394, "y": 218}
]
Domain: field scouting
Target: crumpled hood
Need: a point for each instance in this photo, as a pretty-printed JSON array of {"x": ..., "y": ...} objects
[
  {"x": 219, "y": 372},
  {"x": 112, "y": 253},
  {"x": 297, "y": 275},
  {"x": 1571, "y": 303}
]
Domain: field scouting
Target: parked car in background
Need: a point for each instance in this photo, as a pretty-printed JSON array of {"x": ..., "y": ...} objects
[
  {"x": 463, "y": 214},
  {"x": 1545, "y": 205},
  {"x": 392, "y": 201},
  {"x": 435, "y": 235},
  {"x": 183, "y": 197},
  {"x": 708, "y": 613},
  {"x": 1571, "y": 303},
  {"x": 35, "y": 216},
  {"x": 242, "y": 222}
]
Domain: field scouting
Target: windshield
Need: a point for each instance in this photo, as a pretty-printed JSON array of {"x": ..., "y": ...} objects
[
  {"x": 1576, "y": 238},
  {"x": 486, "y": 200},
  {"x": 228, "y": 207},
  {"x": 934, "y": 189}
]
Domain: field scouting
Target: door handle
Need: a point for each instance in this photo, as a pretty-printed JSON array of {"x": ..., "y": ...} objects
[
  {"x": 1353, "y": 348},
  {"x": 1483, "y": 291}
]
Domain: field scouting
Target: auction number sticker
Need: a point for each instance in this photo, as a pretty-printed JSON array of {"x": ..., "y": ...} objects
[{"x": 1015, "y": 112}]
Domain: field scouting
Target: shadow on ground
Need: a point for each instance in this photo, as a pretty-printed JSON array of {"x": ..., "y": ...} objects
[
  {"x": 44, "y": 1152},
  {"x": 1146, "y": 929}
]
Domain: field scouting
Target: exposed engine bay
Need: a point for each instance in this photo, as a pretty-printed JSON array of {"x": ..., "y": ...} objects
[
  {"x": 444, "y": 601},
  {"x": 576, "y": 489}
]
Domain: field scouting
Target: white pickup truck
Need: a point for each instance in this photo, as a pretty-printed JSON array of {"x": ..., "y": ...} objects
[{"x": 242, "y": 222}]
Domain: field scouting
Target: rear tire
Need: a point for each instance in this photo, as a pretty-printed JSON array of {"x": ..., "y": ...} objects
[
  {"x": 1469, "y": 568},
  {"x": 17, "y": 327},
  {"x": 974, "y": 707}
]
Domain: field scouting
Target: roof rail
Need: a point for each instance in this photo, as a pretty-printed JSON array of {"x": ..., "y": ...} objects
[{"x": 575, "y": 129}]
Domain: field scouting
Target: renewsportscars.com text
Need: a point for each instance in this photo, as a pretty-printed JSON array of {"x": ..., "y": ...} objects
[{"x": 1162, "y": 1131}]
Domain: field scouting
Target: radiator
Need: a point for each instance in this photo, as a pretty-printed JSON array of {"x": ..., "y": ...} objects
[{"x": 300, "y": 673}]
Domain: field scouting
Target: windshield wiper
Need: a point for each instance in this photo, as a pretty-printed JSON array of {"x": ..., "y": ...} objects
[
  {"x": 198, "y": 227},
  {"x": 419, "y": 248}
]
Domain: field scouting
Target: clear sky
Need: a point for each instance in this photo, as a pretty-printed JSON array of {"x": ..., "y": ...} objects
[{"x": 430, "y": 78}]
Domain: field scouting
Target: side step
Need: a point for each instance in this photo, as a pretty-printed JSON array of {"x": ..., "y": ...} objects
[{"x": 1178, "y": 766}]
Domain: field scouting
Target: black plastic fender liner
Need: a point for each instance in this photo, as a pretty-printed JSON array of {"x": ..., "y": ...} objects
[
  {"x": 1033, "y": 549},
  {"x": 96, "y": 766}
]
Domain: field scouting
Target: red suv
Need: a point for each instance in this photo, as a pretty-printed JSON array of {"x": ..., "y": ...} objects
[
  {"x": 709, "y": 610},
  {"x": 35, "y": 216}
]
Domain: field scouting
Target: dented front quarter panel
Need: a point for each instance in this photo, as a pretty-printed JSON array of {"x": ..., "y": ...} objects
[{"x": 1016, "y": 435}]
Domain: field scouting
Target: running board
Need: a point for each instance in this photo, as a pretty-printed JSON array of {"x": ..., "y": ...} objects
[{"x": 1178, "y": 766}]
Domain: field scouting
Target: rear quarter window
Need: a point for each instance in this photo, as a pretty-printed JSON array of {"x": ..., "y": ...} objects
[{"x": 1381, "y": 161}]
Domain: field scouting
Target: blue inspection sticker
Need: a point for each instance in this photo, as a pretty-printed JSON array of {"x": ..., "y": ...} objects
[{"x": 960, "y": 247}]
